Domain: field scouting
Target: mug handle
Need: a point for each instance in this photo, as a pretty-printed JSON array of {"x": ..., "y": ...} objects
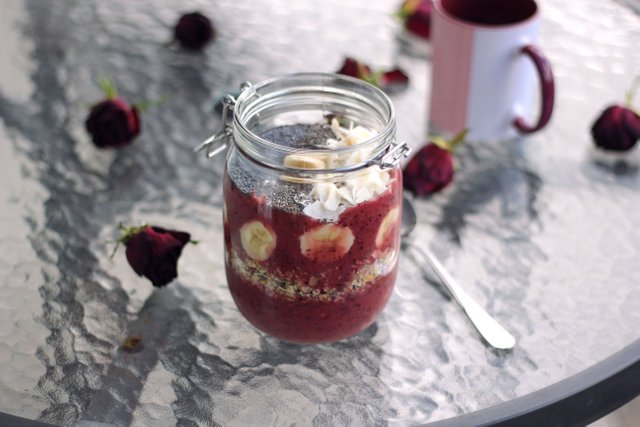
[{"x": 547, "y": 89}]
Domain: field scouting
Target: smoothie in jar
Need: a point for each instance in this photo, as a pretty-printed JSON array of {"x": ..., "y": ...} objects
[{"x": 313, "y": 260}]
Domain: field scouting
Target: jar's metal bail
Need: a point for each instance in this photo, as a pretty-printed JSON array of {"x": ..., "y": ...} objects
[
  {"x": 219, "y": 141},
  {"x": 392, "y": 156}
]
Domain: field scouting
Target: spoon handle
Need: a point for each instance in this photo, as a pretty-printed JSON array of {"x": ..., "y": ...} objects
[{"x": 489, "y": 328}]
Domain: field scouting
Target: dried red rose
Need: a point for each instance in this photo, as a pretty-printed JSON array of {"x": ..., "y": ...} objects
[
  {"x": 431, "y": 168},
  {"x": 616, "y": 129},
  {"x": 618, "y": 126},
  {"x": 193, "y": 31},
  {"x": 153, "y": 252},
  {"x": 416, "y": 15},
  {"x": 113, "y": 123},
  {"x": 389, "y": 80}
]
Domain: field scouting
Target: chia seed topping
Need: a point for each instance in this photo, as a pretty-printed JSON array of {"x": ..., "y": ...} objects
[
  {"x": 323, "y": 201},
  {"x": 303, "y": 136},
  {"x": 282, "y": 194}
]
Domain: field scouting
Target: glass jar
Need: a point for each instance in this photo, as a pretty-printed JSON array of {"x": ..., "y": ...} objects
[{"x": 312, "y": 205}]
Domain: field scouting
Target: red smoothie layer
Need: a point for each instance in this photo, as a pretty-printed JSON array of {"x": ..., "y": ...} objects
[
  {"x": 306, "y": 280},
  {"x": 310, "y": 320}
]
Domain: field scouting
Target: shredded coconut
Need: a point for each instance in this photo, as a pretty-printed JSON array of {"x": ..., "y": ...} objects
[{"x": 331, "y": 199}]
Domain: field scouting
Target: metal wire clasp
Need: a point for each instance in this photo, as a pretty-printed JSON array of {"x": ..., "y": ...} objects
[
  {"x": 392, "y": 156},
  {"x": 220, "y": 140}
]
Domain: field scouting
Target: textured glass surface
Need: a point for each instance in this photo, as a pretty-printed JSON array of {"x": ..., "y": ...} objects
[{"x": 544, "y": 232}]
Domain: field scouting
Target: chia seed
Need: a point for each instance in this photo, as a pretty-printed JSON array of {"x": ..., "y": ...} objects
[
  {"x": 303, "y": 136},
  {"x": 281, "y": 194}
]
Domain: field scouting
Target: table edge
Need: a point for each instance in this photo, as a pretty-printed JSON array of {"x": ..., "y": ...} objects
[{"x": 577, "y": 400}]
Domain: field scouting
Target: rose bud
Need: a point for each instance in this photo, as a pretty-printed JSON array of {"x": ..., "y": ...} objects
[
  {"x": 617, "y": 129},
  {"x": 431, "y": 168},
  {"x": 618, "y": 126},
  {"x": 153, "y": 252},
  {"x": 113, "y": 123},
  {"x": 416, "y": 15},
  {"x": 193, "y": 31}
]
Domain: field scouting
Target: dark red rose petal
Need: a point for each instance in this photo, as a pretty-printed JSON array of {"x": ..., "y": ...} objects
[
  {"x": 354, "y": 68},
  {"x": 164, "y": 264},
  {"x": 419, "y": 21},
  {"x": 394, "y": 79},
  {"x": 631, "y": 124},
  {"x": 139, "y": 252},
  {"x": 164, "y": 233}
]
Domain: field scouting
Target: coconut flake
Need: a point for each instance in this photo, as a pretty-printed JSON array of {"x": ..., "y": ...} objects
[
  {"x": 331, "y": 199},
  {"x": 318, "y": 211}
]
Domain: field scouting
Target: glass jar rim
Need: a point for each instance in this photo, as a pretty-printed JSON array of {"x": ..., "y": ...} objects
[{"x": 326, "y": 83}]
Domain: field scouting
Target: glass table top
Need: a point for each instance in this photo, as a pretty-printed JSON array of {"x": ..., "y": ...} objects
[{"x": 543, "y": 231}]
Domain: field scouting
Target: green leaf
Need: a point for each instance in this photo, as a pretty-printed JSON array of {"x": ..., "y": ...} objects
[
  {"x": 143, "y": 106},
  {"x": 401, "y": 14},
  {"x": 128, "y": 232},
  {"x": 458, "y": 139},
  {"x": 374, "y": 78},
  {"x": 108, "y": 87},
  {"x": 631, "y": 93},
  {"x": 115, "y": 249},
  {"x": 441, "y": 142},
  {"x": 450, "y": 144},
  {"x": 406, "y": 9}
]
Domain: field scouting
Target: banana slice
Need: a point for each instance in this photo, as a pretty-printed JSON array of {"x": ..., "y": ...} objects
[
  {"x": 224, "y": 213},
  {"x": 326, "y": 243},
  {"x": 258, "y": 241},
  {"x": 304, "y": 161},
  {"x": 388, "y": 223}
]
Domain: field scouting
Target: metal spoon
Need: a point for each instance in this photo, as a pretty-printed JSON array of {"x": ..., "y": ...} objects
[{"x": 489, "y": 328}]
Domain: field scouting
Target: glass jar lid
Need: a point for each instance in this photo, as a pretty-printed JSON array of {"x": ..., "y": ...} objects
[{"x": 309, "y": 98}]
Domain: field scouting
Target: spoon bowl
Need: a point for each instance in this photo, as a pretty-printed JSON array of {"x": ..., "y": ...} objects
[
  {"x": 494, "y": 334},
  {"x": 409, "y": 218}
]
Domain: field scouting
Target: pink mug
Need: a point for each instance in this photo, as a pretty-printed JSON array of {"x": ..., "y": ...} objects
[{"x": 484, "y": 66}]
